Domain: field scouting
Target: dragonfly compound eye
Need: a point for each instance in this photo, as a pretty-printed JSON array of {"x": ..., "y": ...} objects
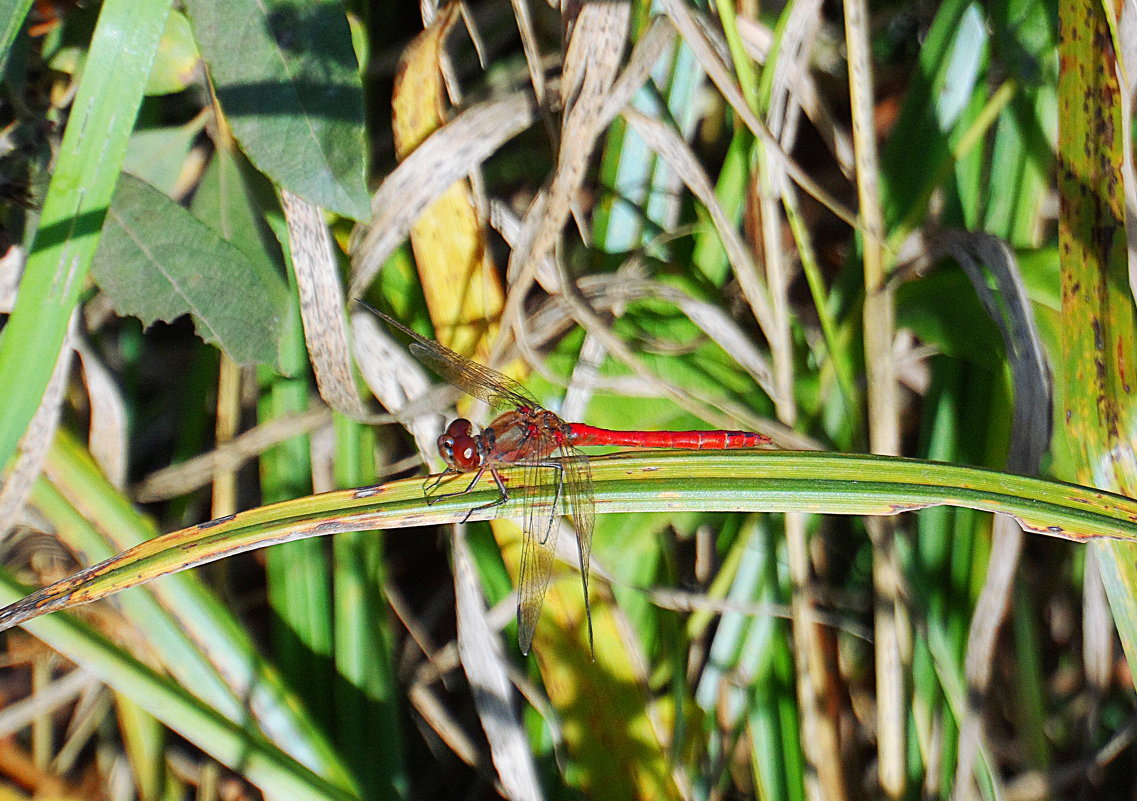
[
  {"x": 446, "y": 448},
  {"x": 460, "y": 428},
  {"x": 464, "y": 454}
]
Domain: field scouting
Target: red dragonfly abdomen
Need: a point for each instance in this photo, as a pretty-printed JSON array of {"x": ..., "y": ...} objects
[{"x": 581, "y": 434}]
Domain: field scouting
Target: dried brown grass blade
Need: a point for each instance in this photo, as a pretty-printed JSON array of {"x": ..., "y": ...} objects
[
  {"x": 592, "y": 62},
  {"x": 485, "y": 668},
  {"x": 756, "y": 39},
  {"x": 107, "y": 440},
  {"x": 670, "y": 146},
  {"x": 187, "y": 476},
  {"x": 456, "y": 270},
  {"x": 227, "y": 424},
  {"x": 696, "y": 36},
  {"x": 321, "y": 306},
  {"x": 604, "y": 292},
  {"x": 444, "y": 157},
  {"x": 531, "y": 49},
  {"x": 893, "y": 635}
]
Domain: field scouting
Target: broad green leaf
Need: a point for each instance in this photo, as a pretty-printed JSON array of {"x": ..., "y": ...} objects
[
  {"x": 157, "y": 262},
  {"x": 158, "y": 155},
  {"x": 287, "y": 79},
  {"x": 175, "y": 66},
  {"x": 230, "y": 199}
]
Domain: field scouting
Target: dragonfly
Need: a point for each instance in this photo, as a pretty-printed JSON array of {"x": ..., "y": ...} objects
[{"x": 528, "y": 436}]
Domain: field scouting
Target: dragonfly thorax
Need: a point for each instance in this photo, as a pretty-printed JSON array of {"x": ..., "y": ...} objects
[{"x": 459, "y": 447}]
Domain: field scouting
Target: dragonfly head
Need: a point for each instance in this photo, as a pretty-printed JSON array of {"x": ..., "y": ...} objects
[{"x": 459, "y": 447}]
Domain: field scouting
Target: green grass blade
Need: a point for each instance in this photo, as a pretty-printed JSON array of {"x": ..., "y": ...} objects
[
  {"x": 240, "y": 749},
  {"x": 83, "y": 181},
  {"x": 754, "y": 481},
  {"x": 12, "y": 16},
  {"x": 366, "y": 690},
  {"x": 201, "y": 641}
]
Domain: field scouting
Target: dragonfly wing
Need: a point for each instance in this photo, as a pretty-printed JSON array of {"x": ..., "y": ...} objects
[
  {"x": 488, "y": 385},
  {"x": 538, "y": 545},
  {"x": 582, "y": 506},
  {"x": 497, "y": 390}
]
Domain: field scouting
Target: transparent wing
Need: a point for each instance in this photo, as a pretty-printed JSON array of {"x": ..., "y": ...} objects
[
  {"x": 581, "y": 505},
  {"x": 484, "y": 383},
  {"x": 538, "y": 545},
  {"x": 567, "y": 482}
]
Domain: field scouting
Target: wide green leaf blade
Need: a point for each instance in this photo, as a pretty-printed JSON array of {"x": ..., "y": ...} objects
[{"x": 287, "y": 79}]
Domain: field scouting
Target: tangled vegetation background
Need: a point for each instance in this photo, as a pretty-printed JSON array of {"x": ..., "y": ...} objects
[{"x": 893, "y": 228}]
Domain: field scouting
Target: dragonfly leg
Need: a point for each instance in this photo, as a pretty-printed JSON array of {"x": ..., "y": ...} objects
[
  {"x": 433, "y": 499},
  {"x": 430, "y": 486},
  {"x": 500, "y": 488},
  {"x": 558, "y": 494}
]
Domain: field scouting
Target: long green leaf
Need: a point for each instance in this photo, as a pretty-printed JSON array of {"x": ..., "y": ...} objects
[
  {"x": 1099, "y": 323},
  {"x": 203, "y": 644},
  {"x": 754, "y": 481}
]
